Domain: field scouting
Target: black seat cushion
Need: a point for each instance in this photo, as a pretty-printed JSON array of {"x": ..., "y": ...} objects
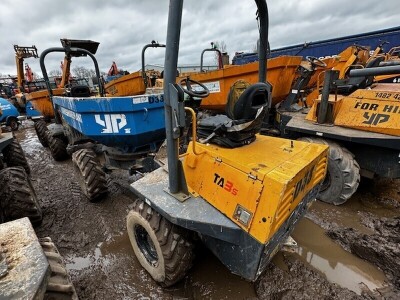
[
  {"x": 80, "y": 91},
  {"x": 249, "y": 112}
]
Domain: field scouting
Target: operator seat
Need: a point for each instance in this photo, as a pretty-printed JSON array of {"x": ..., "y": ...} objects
[
  {"x": 243, "y": 121},
  {"x": 79, "y": 91}
]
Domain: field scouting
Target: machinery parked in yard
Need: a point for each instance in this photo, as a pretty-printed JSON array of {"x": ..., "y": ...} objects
[
  {"x": 281, "y": 73},
  {"x": 359, "y": 120},
  {"x": 302, "y": 90},
  {"x": 123, "y": 129},
  {"x": 10, "y": 115},
  {"x": 21, "y": 53},
  {"x": 40, "y": 100},
  {"x": 241, "y": 200},
  {"x": 134, "y": 83}
]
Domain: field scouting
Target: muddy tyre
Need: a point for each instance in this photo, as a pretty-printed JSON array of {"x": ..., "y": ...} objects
[
  {"x": 93, "y": 179},
  {"x": 60, "y": 285},
  {"x": 14, "y": 156},
  {"x": 41, "y": 128},
  {"x": 17, "y": 196},
  {"x": 13, "y": 123},
  {"x": 343, "y": 175},
  {"x": 58, "y": 148},
  {"x": 162, "y": 248}
]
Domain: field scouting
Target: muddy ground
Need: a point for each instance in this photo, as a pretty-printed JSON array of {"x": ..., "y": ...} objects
[{"x": 345, "y": 252}]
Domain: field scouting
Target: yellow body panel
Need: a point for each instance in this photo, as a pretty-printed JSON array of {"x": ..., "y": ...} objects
[
  {"x": 267, "y": 178},
  {"x": 376, "y": 109},
  {"x": 334, "y": 102},
  {"x": 41, "y": 101},
  {"x": 127, "y": 85},
  {"x": 281, "y": 72},
  {"x": 393, "y": 78}
]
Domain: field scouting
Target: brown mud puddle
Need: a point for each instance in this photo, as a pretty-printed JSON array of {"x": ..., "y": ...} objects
[
  {"x": 208, "y": 279},
  {"x": 338, "y": 265}
]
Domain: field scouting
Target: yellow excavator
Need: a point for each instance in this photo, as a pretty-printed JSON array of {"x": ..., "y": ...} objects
[
  {"x": 240, "y": 193},
  {"x": 21, "y": 53}
]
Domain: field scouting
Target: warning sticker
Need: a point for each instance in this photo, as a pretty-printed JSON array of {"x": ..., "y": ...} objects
[{"x": 213, "y": 86}]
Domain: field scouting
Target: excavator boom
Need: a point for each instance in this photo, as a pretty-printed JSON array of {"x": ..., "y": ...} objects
[{"x": 22, "y": 52}]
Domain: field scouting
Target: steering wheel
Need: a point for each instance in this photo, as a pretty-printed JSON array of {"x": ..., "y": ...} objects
[
  {"x": 316, "y": 62},
  {"x": 186, "y": 84}
]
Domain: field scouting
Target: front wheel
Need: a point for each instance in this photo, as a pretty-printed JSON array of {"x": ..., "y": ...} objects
[
  {"x": 343, "y": 175},
  {"x": 162, "y": 248},
  {"x": 93, "y": 179}
]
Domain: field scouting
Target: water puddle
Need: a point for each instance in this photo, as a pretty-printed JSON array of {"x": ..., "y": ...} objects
[
  {"x": 29, "y": 141},
  {"x": 103, "y": 255},
  {"x": 211, "y": 280},
  {"x": 338, "y": 265},
  {"x": 208, "y": 279}
]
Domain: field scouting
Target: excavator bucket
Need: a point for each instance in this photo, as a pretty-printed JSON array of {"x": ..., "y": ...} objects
[
  {"x": 88, "y": 45},
  {"x": 26, "y": 51}
]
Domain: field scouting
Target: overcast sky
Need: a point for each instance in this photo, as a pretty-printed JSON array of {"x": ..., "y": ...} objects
[{"x": 123, "y": 27}]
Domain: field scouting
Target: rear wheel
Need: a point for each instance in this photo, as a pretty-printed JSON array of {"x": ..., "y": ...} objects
[
  {"x": 93, "y": 179},
  {"x": 162, "y": 248},
  {"x": 17, "y": 196},
  {"x": 343, "y": 175},
  {"x": 41, "y": 128},
  {"x": 58, "y": 147},
  {"x": 14, "y": 156}
]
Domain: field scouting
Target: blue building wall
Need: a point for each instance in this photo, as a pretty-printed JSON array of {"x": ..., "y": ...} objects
[{"x": 331, "y": 46}]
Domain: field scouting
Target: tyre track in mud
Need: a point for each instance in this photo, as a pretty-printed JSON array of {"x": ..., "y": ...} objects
[{"x": 78, "y": 227}]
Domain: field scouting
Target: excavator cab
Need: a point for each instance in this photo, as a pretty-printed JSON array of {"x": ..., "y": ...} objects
[{"x": 242, "y": 202}]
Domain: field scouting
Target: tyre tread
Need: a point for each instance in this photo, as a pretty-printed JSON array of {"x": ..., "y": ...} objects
[
  {"x": 348, "y": 166},
  {"x": 94, "y": 177},
  {"x": 57, "y": 147},
  {"x": 41, "y": 129},
  {"x": 175, "y": 243},
  {"x": 17, "y": 196},
  {"x": 14, "y": 156}
]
